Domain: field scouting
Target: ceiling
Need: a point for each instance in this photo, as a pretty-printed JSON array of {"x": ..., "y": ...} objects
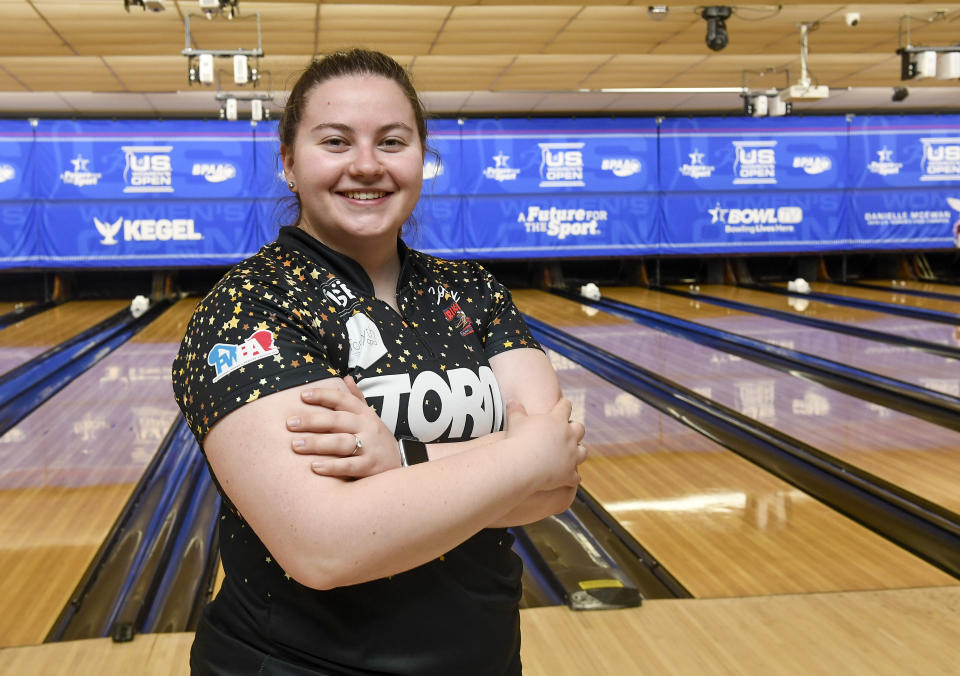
[{"x": 534, "y": 57}]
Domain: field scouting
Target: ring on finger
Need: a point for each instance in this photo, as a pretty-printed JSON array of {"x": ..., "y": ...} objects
[{"x": 357, "y": 446}]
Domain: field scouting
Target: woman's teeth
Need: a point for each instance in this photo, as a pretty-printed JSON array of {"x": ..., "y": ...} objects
[{"x": 364, "y": 195}]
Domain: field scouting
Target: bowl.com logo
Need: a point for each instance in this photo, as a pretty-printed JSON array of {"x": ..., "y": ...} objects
[
  {"x": 214, "y": 173},
  {"x": 621, "y": 167},
  {"x": 941, "y": 159},
  {"x": 146, "y": 230},
  {"x": 815, "y": 164},
  {"x": 7, "y": 172},
  {"x": 148, "y": 169},
  {"x": 561, "y": 223},
  {"x": 755, "y": 163},
  {"x": 561, "y": 165},
  {"x": 758, "y": 219}
]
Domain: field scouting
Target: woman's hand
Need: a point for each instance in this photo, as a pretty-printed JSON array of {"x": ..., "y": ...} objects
[
  {"x": 345, "y": 431},
  {"x": 551, "y": 441}
]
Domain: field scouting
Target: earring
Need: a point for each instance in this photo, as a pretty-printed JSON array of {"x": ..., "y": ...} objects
[{"x": 290, "y": 184}]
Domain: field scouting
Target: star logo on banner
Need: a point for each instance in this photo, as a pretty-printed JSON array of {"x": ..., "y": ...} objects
[
  {"x": 696, "y": 157},
  {"x": 80, "y": 163},
  {"x": 501, "y": 159},
  {"x": 885, "y": 154},
  {"x": 718, "y": 214}
]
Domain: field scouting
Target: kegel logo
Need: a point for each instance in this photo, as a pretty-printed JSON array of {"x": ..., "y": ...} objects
[
  {"x": 7, "y": 172},
  {"x": 215, "y": 173},
  {"x": 147, "y": 230},
  {"x": 755, "y": 163},
  {"x": 560, "y": 223},
  {"x": 148, "y": 169},
  {"x": 501, "y": 171},
  {"x": 561, "y": 165},
  {"x": 621, "y": 166},
  {"x": 227, "y": 358},
  {"x": 80, "y": 176},
  {"x": 941, "y": 159}
]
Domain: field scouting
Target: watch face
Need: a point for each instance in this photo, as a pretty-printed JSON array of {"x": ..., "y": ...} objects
[{"x": 412, "y": 452}]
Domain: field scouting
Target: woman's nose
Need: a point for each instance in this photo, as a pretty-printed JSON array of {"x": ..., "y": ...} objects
[{"x": 365, "y": 162}]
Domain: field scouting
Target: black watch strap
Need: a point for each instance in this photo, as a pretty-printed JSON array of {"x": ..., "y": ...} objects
[{"x": 412, "y": 451}]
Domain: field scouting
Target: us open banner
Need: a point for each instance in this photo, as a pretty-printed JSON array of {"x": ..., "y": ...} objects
[
  {"x": 547, "y": 188},
  {"x": 906, "y": 175},
  {"x": 101, "y": 193}
]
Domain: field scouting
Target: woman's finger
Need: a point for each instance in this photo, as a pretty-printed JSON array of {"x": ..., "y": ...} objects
[
  {"x": 342, "y": 444},
  {"x": 353, "y": 388},
  {"x": 333, "y": 399}
]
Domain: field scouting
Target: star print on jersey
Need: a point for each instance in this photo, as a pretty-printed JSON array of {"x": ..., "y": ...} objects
[{"x": 227, "y": 358}]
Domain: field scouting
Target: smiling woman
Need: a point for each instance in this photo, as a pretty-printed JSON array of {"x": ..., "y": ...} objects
[{"x": 345, "y": 551}]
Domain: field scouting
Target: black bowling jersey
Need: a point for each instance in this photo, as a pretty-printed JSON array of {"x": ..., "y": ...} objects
[{"x": 298, "y": 312}]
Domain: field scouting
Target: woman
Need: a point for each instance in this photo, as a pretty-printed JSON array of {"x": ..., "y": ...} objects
[{"x": 334, "y": 341}]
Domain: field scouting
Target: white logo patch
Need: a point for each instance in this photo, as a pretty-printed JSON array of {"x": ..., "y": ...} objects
[{"x": 366, "y": 345}]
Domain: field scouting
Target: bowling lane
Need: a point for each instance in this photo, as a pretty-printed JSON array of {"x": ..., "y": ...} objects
[
  {"x": 887, "y": 296},
  {"x": 722, "y": 526},
  {"x": 29, "y": 337},
  {"x": 913, "y": 285},
  {"x": 67, "y": 470},
  {"x": 895, "y": 361},
  {"x": 933, "y": 332},
  {"x": 918, "y": 456}
]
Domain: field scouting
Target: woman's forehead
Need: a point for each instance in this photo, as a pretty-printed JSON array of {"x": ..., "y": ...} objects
[{"x": 358, "y": 95}]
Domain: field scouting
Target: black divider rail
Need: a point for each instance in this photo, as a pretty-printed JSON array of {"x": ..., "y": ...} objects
[
  {"x": 154, "y": 569},
  {"x": 918, "y": 525},
  {"x": 936, "y": 407}
]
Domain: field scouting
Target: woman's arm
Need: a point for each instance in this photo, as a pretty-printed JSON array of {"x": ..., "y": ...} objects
[
  {"x": 327, "y": 532},
  {"x": 524, "y": 376}
]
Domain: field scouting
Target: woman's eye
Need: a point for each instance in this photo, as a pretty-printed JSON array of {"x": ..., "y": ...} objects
[
  {"x": 334, "y": 143},
  {"x": 393, "y": 143}
]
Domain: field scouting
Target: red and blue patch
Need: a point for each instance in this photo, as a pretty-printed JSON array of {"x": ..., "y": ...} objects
[{"x": 227, "y": 358}]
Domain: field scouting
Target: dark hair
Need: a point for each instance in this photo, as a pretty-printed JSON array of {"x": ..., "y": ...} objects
[{"x": 346, "y": 63}]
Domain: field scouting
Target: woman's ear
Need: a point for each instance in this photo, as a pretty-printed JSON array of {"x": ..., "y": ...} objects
[{"x": 286, "y": 156}]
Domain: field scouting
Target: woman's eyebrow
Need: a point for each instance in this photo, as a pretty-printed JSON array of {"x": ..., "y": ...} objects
[{"x": 345, "y": 128}]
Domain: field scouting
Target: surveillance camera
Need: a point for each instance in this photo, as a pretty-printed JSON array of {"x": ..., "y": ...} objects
[
  {"x": 852, "y": 18},
  {"x": 717, "y": 36},
  {"x": 153, "y": 5}
]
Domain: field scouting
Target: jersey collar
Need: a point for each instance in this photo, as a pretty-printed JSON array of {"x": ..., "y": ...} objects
[{"x": 339, "y": 264}]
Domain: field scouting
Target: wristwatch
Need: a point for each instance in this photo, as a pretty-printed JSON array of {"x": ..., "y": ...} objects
[{"x": 412, "y": 451}]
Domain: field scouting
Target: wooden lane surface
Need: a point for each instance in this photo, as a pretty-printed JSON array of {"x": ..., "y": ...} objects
[
  {"x": 887, "y": 296},
  {"x": 895, "y": 361},
  {"x": 933, "y": 332},
  {"x": 919, "y": 456},
  {"x": 913, "y": 285},
  {"x": 29, "y": 337},
  {"x": 10, "y": 306},
  {"x": 67, "y": 470},
  {"x": 721, "y": 525},
  {"x": 886, "y": 633}
]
